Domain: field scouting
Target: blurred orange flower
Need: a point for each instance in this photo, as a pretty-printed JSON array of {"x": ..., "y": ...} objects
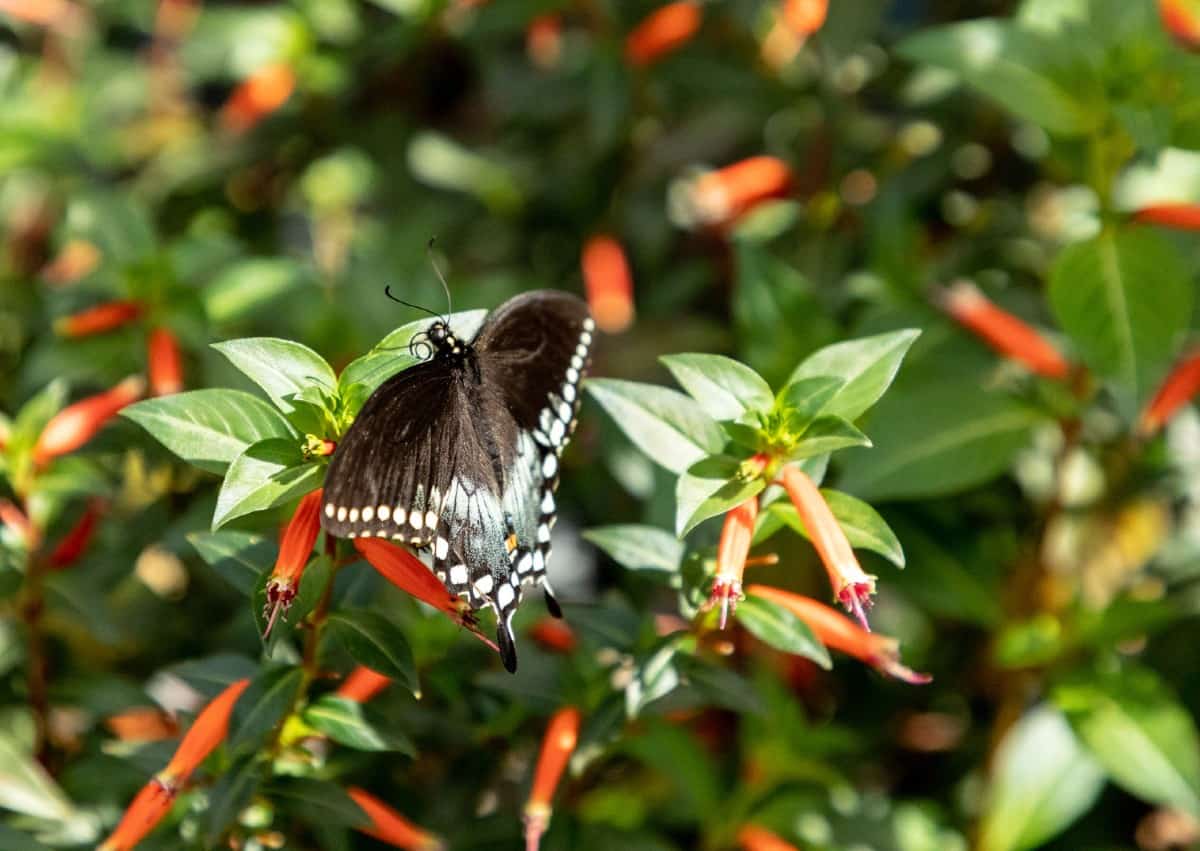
[
  {"x": 258, "y": 96},
  {"x": 98, "y": 319},
  {"x": 75, "y": 542},
  {"x": 558, "y": 743},
  {"x": 1178, "y": 216},
  {"x": 554, "y": 634},
  {"x": 76, "y": 424},
  {"x": 719, "y": 197},
  {"x": 662, "y": 31},
  {"x": 609, "y": 283},
  {"x": 754, "y": 838},
  {"x": 389, "y": 826},
  {"x": 165, "y": 362},
  {"x": 1177, "y": 390},
  {"x": 141, "y": 816},
  {"x": 1181, "y": 18},
  {"x": 805, "y": 17}
]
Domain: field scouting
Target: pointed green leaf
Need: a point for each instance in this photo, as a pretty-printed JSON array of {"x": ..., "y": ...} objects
[
  {"x": 724, "y": 388},
  {"x": 1140, "y": 732},
  {"x": 280, "y": 367},
  {"x": 239, "y": 557},
  {"x": 208, "y": 428},
  {"x": 639, "y": 547},
  {"x": 671, "y": 428},
  {"x": 772, "y": 624},
  {"x": 1125, "y": 299},
  {"x": 710, "y": 487},
  {"x": 1042, "y": 781},
  {"x": 804, "y": 398},
  {"x": 827, "y": 434},
  {"x": 866, "y": 366},
  {"x": 263, "y": 705},
  {"x": 318, "y": 802},
  {"x": 342, "y": 720},
  {"x": 267, "y": 474},
  {"x": 864, "y": 527},
  {"x": 391, "y": 355},
  {"x": 374, "y": 641}
]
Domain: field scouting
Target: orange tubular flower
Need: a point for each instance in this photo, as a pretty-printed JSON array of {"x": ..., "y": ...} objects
[
  {"x": 389, "y": 826},
  {"x": 141, "y": 817},
  {"x": 1178, "y": 389},
  {"x": 719, "y": 197},
  {"x": 76, "y": 424},
  {"x": 851, "y": 586},
  {"x": 661, "y": 32},
  {"x": 609, "y": 283},
  {"x": 805, "y": 17},
  {"x": 408, "y": 573},
  {"x": 14, "y": 518},
  {"x": 362, "y": 684},
  {"x": 1005, "y": 333},
  {"x": 555, "y": 635},
  {"x": 543, "y": 40},
  {"x": 98, "y": 319},
  {"x": 562, "y": 734},
  {"x": 839, "y": 632},
  {"x": 732, "y": 549},
  {"x": 260, "y": 95},
  {"x": 75, "y": 542},
  {"x": 166, "y": 362},
  {"x": 754, "y": 838},
  {"x": 208, "y": 730},
  {"x": 1182, "y": 21},
  {"x": 142, "y": 724},
  {"x": 77, "y": 259},
  {"x": 294, "y": 550},
  {"x": 1178, "y": 216}
]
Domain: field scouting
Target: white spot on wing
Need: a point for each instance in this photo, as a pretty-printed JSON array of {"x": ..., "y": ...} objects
[
  {"x": 416, "y": 520},
  {"x": 458, "y": 574},
  {"x": 505, "y": 596},
  {"x": 484, "y": 584},
  {"x": 384, "y": 512},
  {"x": 368, "y": 514},
  {"x": 341, "y": 514},
  {"x": 549, "y": 466},
  {"x": 441, "y": 548},
  {"x": 329, "y": 510}
]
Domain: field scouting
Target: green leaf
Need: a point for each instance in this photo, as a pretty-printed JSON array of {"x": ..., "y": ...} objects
[
  {"x": 654, "y": 677},
  {"x": 267, "y": 474},
  {"x": 341, "y": 719},
  {"x": 239, "y": 557},
  {"x": 639, "y": 547},
  {"x": 208, "y": 428},
  {"x": 247, "y": 285},
  {"x": 804, "y": 398},
  {"x": 863, "y": 526},
  {"x": 710, "y": 487},
  {"x": 213, "y": 674},
  {"x": 1140, "y": 732},
  {"x": 263, "y": 705},
  {"x": 229, "y": 796},
  {"x": 281, "y": 368},
  {"x": 827, "y": 434},
  {"x": 1126, "y": 300},
  {"x": 724, "y": 388},
  {"x": 1010, "y": 66},
  {"x": 671, "y": 428},
  {"x": 391, "y": 355},
  {"x": 26, "y": 787},
  {"x": 866, "y": 366},
  {"x": 318, "y": 802},
  {"x": 1042, "y": 781},
  {"x": 772, "y": 624},
  {"x": 374, "y": 641},
  {"x": 937, "y": 439},
  {"x": 15, "y": 840}
]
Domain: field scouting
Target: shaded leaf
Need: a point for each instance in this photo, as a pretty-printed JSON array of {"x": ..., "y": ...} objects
[
  {"x": 772, "y": 624},
  {"x": 239, "y": 557},
  {"x": 638, "y": 547},
  {"x": 374, "y": 641},
  {"x": 267, "y": 474},
  {"x": 263, "y": 705}
]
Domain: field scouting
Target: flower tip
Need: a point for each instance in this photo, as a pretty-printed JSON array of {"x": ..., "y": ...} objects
[
  {"x": 893, "y": 667},
  {"x": 856, "y": 598}
]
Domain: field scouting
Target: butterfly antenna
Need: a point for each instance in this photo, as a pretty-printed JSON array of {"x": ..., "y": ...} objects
[
  {"x": 388, "y": 292},
  {"x": 440, "y": 276}
]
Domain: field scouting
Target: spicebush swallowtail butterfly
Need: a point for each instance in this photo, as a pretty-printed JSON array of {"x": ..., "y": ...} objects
[{"x": 459, "y": 454}]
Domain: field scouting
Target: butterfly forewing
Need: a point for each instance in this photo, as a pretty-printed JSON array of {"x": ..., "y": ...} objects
[{"x": 471, "y": 440}]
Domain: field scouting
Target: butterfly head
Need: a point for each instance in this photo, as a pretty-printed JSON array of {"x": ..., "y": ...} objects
[{"x": 443, "y": 340}]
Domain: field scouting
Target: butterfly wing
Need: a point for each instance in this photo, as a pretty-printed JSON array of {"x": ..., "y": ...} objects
[{"x": 533, "y": 352}]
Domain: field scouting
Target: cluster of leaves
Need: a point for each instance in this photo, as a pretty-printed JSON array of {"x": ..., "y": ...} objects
[{"x": 255, "y": 173}]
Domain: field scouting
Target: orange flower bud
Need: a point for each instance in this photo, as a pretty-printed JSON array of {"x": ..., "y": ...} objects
[
  {"x": 294, "y": 550},
  {"x": 77, "y": 259},
  {"x": 98, "y": 319},
  {"x": 76, "y": 424},
  {"x": 141, "y": 816},
  {"x": 754, "y": 838},
  {"x": 805, "y": 17},
  {"x": 1182, "y": 21},
  {"x": 257, "y": 97},
  {"x": 839, "y": 632},
  {"x": 851, "y": 586},
  {"x": 562, "y": 734},
  {"x": 75, "y": 542},
  {"x": 609, "y": 283},
  {"x": 543, "y": 40},
  {"x": 554, "y": 634},
  {"x": 14, "y": 518},
  {"x": 1176, "y": 391},
  {"x": 719, "y": 197},
  {"x": 208, "y": 730},
  {"x": 318, "y": 447},
  {"x": 389, "y": 826},
  {"x": 661, "y": 32},
  {"x": 142, "y": 724},
  {"x": 1178, "y": 216},
  {"x": 1005, "y": 333},
  {"x": 362, "y": 684},
  {"x": 166, "y": 362},
  {"x": 732, "y": 549}
]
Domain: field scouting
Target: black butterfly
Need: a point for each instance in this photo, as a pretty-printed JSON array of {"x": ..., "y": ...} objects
[{"x": 459, "y": 453}]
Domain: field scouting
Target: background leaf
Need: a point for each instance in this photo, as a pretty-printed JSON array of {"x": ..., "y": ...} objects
[{"x": 866, "y": 367}]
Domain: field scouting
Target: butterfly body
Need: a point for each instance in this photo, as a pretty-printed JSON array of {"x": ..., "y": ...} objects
[{"x": 458, "y": 455}]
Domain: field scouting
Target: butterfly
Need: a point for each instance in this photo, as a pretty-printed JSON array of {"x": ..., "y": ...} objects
[{"x": 459, "y": 454}]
